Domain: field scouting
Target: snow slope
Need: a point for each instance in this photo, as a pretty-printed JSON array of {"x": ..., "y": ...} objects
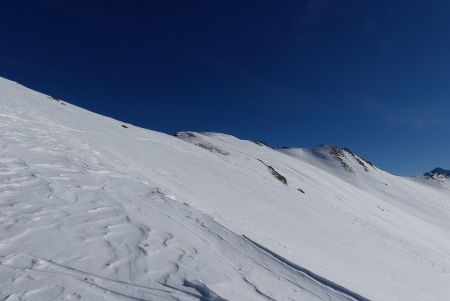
[{"x": 93, "y": 210}]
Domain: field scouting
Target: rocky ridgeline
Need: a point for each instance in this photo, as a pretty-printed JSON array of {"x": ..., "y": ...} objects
[
  {"x": 438, "y": 173},
  {"x": 342, "y": 154}
]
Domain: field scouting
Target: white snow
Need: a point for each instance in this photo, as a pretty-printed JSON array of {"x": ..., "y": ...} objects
[{"x": 95, "y": 211}]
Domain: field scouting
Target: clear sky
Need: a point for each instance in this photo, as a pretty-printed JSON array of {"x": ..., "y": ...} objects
[{"x": 370, "y": 75}]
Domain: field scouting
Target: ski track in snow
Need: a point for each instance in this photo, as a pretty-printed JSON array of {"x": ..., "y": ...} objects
[{"x": 73, "y": 227}]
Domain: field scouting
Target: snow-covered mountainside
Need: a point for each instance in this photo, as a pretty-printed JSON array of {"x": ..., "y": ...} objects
[
  {"x": 95, "y": 209},
  {"x": 439, "y": 174}
]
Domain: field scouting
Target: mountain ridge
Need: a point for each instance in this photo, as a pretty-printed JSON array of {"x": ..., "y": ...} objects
[
  {"x": 438, "y": 171},
  {"x": 93, "y": 209},
  {"x": 334, "y": 148}
]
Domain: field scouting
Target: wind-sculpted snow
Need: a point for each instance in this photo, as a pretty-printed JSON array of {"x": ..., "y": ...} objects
[
  {"x": 74, "y": 226},
  {"x": 94, "y": 209}
]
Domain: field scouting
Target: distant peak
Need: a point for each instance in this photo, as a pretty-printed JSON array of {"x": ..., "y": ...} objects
[{"x": 438, "y": 172}]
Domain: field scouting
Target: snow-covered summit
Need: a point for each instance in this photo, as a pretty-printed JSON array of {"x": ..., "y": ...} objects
[
  {"x": 94, "y": 209},
  {"x": 439, "y": 176},
  {"x": 438, "y": 172},
  {"x": 339, "y": 158}
]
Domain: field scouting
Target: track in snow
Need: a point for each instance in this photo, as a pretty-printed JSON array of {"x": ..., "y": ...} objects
[{"x": 313, "y": 277}]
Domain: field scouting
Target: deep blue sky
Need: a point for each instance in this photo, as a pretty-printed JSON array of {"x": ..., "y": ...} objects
[{"x": 370, "y": 75}]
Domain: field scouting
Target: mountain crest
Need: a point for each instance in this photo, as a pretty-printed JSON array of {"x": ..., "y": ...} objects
[
  {"x": 438, "y": 173},
  {"x": 343, "y": 155}
]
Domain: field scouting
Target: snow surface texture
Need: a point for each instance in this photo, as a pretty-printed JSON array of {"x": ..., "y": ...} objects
[{"x": 94, "y": 209}]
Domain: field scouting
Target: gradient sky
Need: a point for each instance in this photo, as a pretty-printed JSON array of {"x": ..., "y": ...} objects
[{"x": 370, "y": 75}]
